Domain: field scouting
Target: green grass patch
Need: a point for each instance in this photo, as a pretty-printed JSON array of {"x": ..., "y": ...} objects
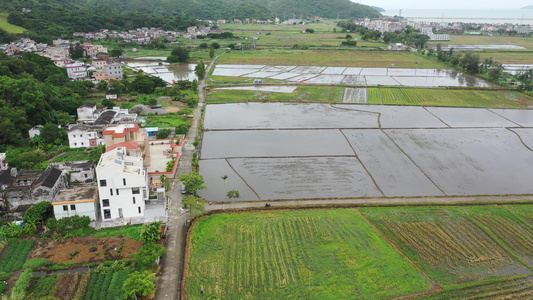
[
  {"x": 312, "y": 254},
  {"x": 42, "y": 286},
  {"x": 449, "y": 244},
  {"x": 312, "y": 93},
  {"x": 166, "y": 120},
  {"x": 473, "y": 98},
  {"x": 334, "y": 58},
  {"x": 131, "y": 231},
  {"x": 79, "y": 154},
  {"x": 16, "y": 255},
  {"x": 10, "y": 28}
]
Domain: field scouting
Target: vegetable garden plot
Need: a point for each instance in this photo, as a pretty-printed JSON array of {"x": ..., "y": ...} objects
[
  {"x": 446, "y": 244},
  {"x": 16, "y": 255},
  {"x": 315, "y": 254},
  {"x": 326, "y": 79},
  {"x": 352, "y": 95},
  {"x": 461, "y": 162},
  {"x": 306, "y": 177}
]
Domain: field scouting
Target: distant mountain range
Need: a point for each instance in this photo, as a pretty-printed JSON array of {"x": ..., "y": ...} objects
[
  {"x": 210, "y": 9},
  {"x": 378, "y": 9},
  {"x": 528, "y": 7}
]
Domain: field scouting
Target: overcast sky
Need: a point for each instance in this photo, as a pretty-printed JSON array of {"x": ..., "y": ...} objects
[{"x": 448, "y": 4}]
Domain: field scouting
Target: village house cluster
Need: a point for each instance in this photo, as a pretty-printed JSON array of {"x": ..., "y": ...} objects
[
  {"x": 102, "y": 67},
  {"x": 127, "y": 184},
  {"x": 145, "y": 35},
  {"x": 390, "y": 25}
]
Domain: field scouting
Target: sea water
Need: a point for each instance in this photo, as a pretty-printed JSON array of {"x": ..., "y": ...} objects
[{"x": 490, "y": 16}]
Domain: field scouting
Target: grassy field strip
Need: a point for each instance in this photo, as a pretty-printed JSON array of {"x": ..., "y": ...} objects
[
  {"x": 303, "y": 93},
  {"x": 318, "y": 254},
  {"x": 462, "y": 98},
  {"x": 10, "y": 28}
]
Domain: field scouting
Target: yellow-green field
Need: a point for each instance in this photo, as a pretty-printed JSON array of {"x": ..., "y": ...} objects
[
  {"x": 447, "y": 252},
  {"x": 466, "y": 98},
  {"x": 10, "y": 28},
  {"x": 526, "y": 42},
  {"x": 303, "y": 93},
  {"x": 333, "y": 58}
]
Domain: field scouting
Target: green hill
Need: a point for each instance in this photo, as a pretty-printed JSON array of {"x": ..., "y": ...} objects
[{"x": 208, "y": 9}]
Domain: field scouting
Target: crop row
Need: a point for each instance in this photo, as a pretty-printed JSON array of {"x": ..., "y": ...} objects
[
  {"x": 461, "y": 245},
  {"x": 516, "y": 288},
  {"x": 16, "y": 255},
  {"x": 106, "y": 285}
]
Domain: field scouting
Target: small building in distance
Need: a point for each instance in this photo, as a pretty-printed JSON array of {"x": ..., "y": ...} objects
[{"x": 79, "y": 201}]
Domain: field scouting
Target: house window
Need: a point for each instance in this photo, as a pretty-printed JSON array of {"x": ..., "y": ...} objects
[
  {"x": 82, "y": 143},
  {"x": 135, "y": 190},
  {"x": 103, "y": 182},
  {"x": 72, "y": 207},
  {"x": 105, "y": 202},
  {"x": 65, "y": 207},
  {"x": 117, "y": 192},
  {"x": 133, "y": 200},
  {"x": 139, "y": 209},
  {"x": 86, "y": 175},
  {"x": 124, "y": 181},
  {"x": 75, "y": 144},
  {"x": 107, "y": 214},
  {"x": 111, "y": 192}
]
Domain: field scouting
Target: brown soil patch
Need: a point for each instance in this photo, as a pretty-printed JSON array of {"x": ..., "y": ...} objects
[
  {"x": 59, "y": 252},
  {"x": 172, "y": 109}
]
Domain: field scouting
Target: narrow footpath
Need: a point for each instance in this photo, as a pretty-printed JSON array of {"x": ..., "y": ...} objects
[{"x": 169, "y": 283}]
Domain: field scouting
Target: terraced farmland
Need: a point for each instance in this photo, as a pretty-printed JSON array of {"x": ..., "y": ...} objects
[
  {"x": 456, "y": 245},
  {"x": 316, "y": 254},
  {"x": 464, "y": 98}
]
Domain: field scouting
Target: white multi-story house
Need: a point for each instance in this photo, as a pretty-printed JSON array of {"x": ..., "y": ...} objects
[
  {"x": 76, "y": 71},
  {"x": 122, "y": 185},
  {"x": 99, "y": 64},
  {"x": 113, "y": 70},
  {"x": 434, "y": 37},
  {"x": 85, "y": 136}
]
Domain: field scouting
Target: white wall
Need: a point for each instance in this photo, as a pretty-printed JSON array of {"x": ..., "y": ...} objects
[{"x": 81, "y": 209}]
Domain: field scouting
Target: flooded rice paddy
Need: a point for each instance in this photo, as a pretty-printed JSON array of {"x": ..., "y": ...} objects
[
  {"x": 166, "y": 71},
  {"x": 354, "y": 76},
  {"x": 276, "y": 151}
]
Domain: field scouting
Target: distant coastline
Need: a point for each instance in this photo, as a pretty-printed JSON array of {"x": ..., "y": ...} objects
[
  {"x": 528, "y": 7},
  {"x": 489, "y": 16}
]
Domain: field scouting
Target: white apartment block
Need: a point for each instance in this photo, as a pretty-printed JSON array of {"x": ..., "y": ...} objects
[
  {"x": 434, "y": 37},
  {"x": 76, "y": 71},
  {"x": 122, "y": 185},
  {"x": 114, "y": 70}
]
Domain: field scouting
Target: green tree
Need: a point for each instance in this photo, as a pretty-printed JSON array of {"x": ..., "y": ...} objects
[
  {"x": 200, "y": 70},
  {"x": 182, "y": 128},
  {"x": 193, "y": 182},
  {"x": 37, "y": 212},
  {"x": 116, "y": 87},
  {"x": 179, "y": 54},
  {"x": 163, "y": 134},
  {"x": 150, "y": 233},
  {"x": 203, "y": 46},
  {"x": 211, "y": 52},
  {"x": 139, "y": 284},
  {"x": 102, "y": 85},
  {"x": 76, "y": 51},
  {"x": 147, "y": 255},
  {"x": 215, "y": 45},
  {"x": 233, "y": 194},
  {"x": 194, "y": 203},
  {"x": 52, "y": 134},
  {"x": 108, "y": 103},
  {"x": 116, "y": 52}
]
